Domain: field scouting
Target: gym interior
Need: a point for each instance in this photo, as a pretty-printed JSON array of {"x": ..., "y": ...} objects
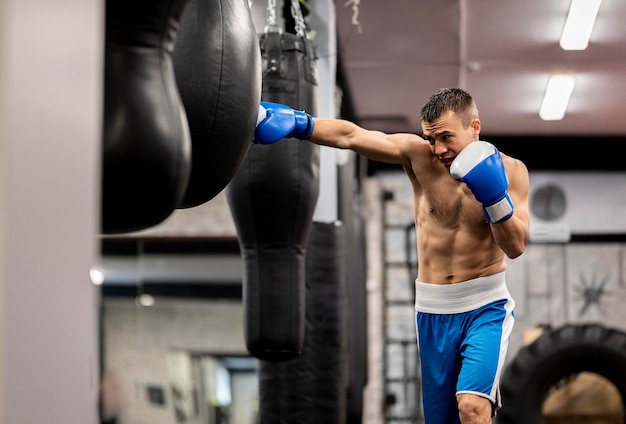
[{"x": 126, "y": 300}]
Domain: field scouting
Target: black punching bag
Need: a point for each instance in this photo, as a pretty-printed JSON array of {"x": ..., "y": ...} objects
[
  {"x": 350, "y": 214},
  {"x": 311, "y": 389},
  {"x": 272, "y": 198},
  {"x": 217, "y": 62},
  {"x": 146, "y": 144}
]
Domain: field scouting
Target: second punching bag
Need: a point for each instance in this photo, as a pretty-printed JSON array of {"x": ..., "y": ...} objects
[
  {"x": 146, "y": 144},
  {"x": 218, "y": 71},
  {"x": 272, "y": 198}
]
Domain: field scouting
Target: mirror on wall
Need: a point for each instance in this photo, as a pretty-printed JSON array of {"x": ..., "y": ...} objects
[
  {"x": 172, "y": 347},
  {"x": 213, "y": 389},
  {"x": 176, "y": 361}
]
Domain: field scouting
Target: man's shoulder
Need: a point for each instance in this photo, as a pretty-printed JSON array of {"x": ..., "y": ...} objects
[{"x": 513, "y": 160}]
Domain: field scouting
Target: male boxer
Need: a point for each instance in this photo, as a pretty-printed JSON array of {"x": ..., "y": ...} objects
[{"x": 471, "y": 209}]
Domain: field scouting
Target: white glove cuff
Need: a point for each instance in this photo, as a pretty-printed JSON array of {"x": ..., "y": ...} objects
[
  {"x": 262, "y": 114},
  {"x": 499, "y": 211}
]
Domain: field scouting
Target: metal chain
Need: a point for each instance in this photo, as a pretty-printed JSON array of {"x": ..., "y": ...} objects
[
  {"x": 271, "y": 17},
  {"x": 355, "y": 12},
  {"x": 296, "y": 12}
]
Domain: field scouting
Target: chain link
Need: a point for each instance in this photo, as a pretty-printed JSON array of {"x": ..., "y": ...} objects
[
  {"x": 271, "y": 17},
  {"x": 356, "y": 4},
  {"x": 296, "y": 12}
]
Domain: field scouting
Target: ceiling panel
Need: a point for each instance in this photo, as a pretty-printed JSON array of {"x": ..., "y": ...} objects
[{"x": 501, "y": 51}]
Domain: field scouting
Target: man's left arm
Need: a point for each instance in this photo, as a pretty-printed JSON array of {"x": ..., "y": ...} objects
[
  {"x": 502, "y": 190},
  {"x": 513, "y": 234}
]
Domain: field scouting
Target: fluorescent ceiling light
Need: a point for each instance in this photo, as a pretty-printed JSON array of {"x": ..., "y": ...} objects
[
  {"x": 556, "y": 98},
  {"x": 579, "y": 24}
]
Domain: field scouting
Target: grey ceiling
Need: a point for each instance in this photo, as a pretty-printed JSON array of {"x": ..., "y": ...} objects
[{"x": 502, "y": 51}]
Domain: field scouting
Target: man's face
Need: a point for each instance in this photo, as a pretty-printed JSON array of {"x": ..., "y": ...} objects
[{"x": 448, "y": 136}]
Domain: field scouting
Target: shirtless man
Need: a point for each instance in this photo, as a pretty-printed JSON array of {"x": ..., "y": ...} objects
[{"x": 471, "y": 209}]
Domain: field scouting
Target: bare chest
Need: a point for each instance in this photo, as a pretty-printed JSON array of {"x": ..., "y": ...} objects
[{"x": 450, "y": 204}]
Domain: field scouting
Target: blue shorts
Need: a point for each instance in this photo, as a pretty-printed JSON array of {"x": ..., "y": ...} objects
[{"x": 463, "y": 334}]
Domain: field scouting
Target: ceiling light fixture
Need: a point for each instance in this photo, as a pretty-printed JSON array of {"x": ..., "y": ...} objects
[
  {"x": 145, "y": 300},
  {"x": 579, "y": 24},
  {"x": 556, "y": 97}
]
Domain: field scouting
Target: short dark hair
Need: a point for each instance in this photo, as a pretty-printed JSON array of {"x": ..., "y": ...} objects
[{"x": 455, "y": 99}]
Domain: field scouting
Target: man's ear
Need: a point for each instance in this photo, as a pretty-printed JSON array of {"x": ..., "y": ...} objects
[{"x": 476, "y": 128}]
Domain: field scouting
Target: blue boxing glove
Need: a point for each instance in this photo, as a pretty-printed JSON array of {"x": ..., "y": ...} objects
[
  {"x": 479, "y": 165},
  {"x": 276, "y": 121}
]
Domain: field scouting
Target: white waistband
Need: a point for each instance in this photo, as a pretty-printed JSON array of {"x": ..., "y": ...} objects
[{"x": 460, "y": 297}]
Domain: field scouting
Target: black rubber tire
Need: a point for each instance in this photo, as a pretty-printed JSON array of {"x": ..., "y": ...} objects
[{"x": 557, "y": 354}]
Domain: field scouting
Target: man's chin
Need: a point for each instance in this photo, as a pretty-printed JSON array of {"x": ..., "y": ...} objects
[{"x": 447, "y": 163}]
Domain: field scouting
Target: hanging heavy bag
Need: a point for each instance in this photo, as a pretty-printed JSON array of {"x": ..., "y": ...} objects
[
  {"x": 217, "y": 62},
  {"x": 350, "y": 214},
  {"x": 272, "y": 199},
  {"x": 312, "y": 387},
  {"x": 146, "y": 156}
]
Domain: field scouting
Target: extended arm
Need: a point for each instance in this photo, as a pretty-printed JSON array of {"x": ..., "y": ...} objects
[{"x": 278, "y": 121}]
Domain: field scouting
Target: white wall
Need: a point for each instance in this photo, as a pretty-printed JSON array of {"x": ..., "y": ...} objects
[{"x": 50, "y": 82}]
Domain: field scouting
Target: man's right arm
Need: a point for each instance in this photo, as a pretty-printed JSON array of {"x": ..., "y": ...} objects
[{"x": 278, "y": 121}]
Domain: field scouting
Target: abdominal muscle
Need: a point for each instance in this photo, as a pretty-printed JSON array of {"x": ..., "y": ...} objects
[
  {"x": 456, "y": 252},
  {"x": 454, "y": 239}
]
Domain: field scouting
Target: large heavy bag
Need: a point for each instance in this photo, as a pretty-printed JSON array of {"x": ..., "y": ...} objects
[
  {"x": 312, "y": 387},
  {"x": 218, "y": 71},
  {"x": 350, "y": 214},
  {"x": 146, "y": 158},
  {"x": 272, "y": 199}
]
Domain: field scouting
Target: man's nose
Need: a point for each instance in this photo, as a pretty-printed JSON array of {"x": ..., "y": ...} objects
[{"x": 439, "y": 148}]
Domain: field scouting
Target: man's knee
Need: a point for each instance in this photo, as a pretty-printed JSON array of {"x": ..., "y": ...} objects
[{"x": 474, "y": 409}]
